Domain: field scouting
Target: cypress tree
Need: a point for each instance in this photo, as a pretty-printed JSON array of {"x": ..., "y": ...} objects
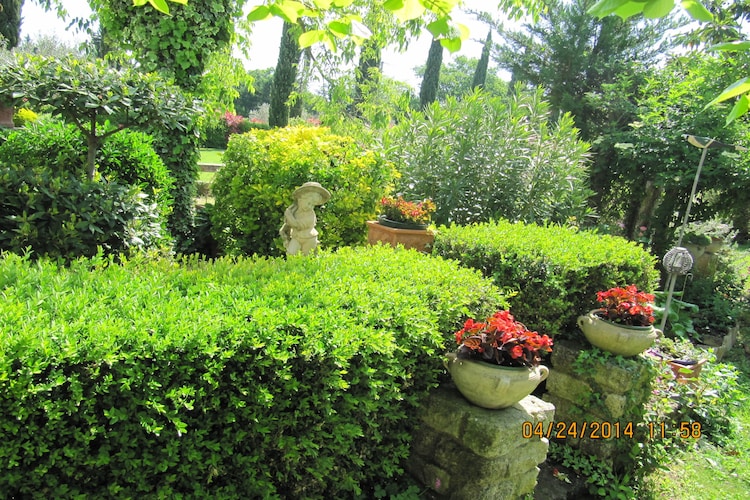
[
  {"x": 431, "y": 80},
  {"x": 368, "y": 70},
  {"x": 480, "y": 74},
  {"x": 10, "y": 21},
  {"x": 284, "y": 77}
]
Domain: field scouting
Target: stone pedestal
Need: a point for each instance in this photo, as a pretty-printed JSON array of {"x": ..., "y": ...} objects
[
  {"x": 462, "y": 451},
  {"x": 608, "y": 396}
]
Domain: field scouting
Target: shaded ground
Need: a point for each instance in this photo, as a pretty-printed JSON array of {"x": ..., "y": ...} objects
[{"x": 556, "y": 482}]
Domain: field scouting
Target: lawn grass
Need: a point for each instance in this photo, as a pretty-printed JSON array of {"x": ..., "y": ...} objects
[
  {"x": 211, "y": 155},
  {"x": 707, "y": 471}
]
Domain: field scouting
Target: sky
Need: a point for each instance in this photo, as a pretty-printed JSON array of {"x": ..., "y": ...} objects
[{"x": 266, "y": 35}]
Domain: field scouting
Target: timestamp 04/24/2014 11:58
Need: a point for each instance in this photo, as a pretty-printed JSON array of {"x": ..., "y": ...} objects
[{"x": 608, "y": 430}]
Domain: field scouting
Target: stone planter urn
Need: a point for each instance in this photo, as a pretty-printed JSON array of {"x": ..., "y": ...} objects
[
  {"x": 615, "y": 338},
  {"x": 493, "y": 386},
  {"x": 418, "y": 239}
]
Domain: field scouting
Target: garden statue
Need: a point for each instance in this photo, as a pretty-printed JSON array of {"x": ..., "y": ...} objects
[{"x": 298, "y": 231}]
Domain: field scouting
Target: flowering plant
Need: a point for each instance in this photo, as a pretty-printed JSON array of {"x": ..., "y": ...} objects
[
  {"x": 400, "y": 210},
  {"x": 626, "y": 306},
  {"x": 502, "y": 340}
]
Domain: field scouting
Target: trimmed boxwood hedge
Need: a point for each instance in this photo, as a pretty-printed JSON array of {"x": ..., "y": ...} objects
[
  {"x": 237, "y": 378},
  {"x": 550, "y": 274}
]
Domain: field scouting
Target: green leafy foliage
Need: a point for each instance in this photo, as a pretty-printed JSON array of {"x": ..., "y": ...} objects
[
  {"x": 456, "y": 78},
  {"x": 179, "y": 45},
  {"x": 57, "y": 214},
  {"x": 602, "y": 481},
  {"x": 707, "y": 403},
  {"x": 548, "y": 284},
  {"x": 127, "y": 158},
  {"x": 23, "y": 116},
  {"x": 651, "y": 175},
  {"x": 263, "y": 378},
  {"x": 98, "y": 99},
  {"x": 49, "y": 143},
  {"x": 101, "y": 101},
  {"x": 490, "y": 157},
  {"x": 262, "y": 169}
]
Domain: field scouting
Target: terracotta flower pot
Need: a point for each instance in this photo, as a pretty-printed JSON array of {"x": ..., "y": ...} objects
[
  {"x": 418, "y": 239},
  {"x": 615, "y": 338},
  {"x": 686, "y": 370},
  {"x": 492, "y": 386},
  {"x": 6, "y": 116}
]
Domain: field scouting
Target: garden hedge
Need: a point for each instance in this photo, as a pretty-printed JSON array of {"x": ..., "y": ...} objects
[
  {"x": 59, "y": 215},
  {"x": 550, "y": 273},
  {"x": 263, "y": 168},
  {"x": 236, "y": 378}
]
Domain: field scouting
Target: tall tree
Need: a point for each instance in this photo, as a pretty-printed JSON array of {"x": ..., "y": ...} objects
[
  {"x": 10, "y": 21},
  {"x": 368, "y": 69},
  {"x": 285, "y": 76},
  {"x": 456, "y": 77},
  {"x": 569, "y": 53},
  {"x": 431, "y": 80},
  {"x": 249, "y": 100},
  {"x": 480, "y": 74}
]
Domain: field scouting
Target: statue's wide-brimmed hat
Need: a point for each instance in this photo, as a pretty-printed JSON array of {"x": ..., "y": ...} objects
[{"x": 314, "y": 187}]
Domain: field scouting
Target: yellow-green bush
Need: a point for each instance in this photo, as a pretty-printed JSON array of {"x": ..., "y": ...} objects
[
  {"x": 23, "y": 116},
  {"x": 262, "y": 169}
]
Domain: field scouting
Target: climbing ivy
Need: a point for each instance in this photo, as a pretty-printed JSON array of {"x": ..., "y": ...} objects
[{"x": 179, "y": 44}]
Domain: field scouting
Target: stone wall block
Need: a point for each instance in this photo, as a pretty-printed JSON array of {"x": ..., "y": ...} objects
[
  {"x": 439, "y": 411},
  {"x": 462, "y": 451},
  {"x": 618, "y": 380},
  {"x": 567, "y": 386},
  {"x": 492, "y": 433},
  {"x": 564, "y": 357},
  {"x": 616, "y": 404}
]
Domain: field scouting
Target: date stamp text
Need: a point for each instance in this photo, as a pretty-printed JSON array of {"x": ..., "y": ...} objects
[{"x": 608, "y": 430}]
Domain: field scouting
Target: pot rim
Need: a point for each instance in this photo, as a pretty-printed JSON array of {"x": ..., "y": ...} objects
[{"x": 452, "y": 356}]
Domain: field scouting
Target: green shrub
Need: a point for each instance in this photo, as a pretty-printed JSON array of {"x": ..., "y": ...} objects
[
  {"x": 262, "y": 169},
  {"x": 60, "y": 215},
  {"x": 721, "y": 297},
  {"x": 47, "y": 143},
  {"x": 214, "y": 133},
  {"x": 216, "y": 130},
  {"x": 554, "y": 271},
  {"x": 237, "y": 378},
  {"x": 127, "y": 157},
  {"x": 488, "y": 157}
]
